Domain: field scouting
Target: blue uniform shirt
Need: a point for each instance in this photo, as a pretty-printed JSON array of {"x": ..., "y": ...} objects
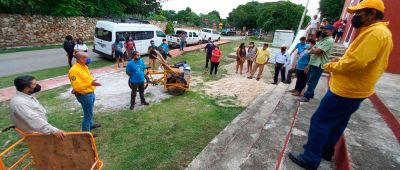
[
  {"x": 165, "y": 47},
  {"x": 136, "y": 71},
  {"x": 304, "y": 58},
  {"x": 301, "y": 47}
]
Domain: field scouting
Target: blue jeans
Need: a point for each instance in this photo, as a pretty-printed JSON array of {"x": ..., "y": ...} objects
[
  {"x": 327, "y": 125},
  {"x": 182, "y": 45},
  {"x": 313, "y": 77},
  {"x": 87, "y": 102}
]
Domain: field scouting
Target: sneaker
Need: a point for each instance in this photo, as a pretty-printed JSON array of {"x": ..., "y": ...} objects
[
  {"x": 299, "y": 161},
  {"x": 274, "y": 83},
  {"x": 145, "y": 103},
  {"x": 96, "y": 125},
  {"x": 257, "y": 79},
  {"x": 132, "y": 107},
  {"x": 303, "y": 99},
  {"x": 249, "y": 77}
]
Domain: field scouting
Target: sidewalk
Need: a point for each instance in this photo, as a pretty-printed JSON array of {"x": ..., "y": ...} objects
[{"x": 51, "y": 83}]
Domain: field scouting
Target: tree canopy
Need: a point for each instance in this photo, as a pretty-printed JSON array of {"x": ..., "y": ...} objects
[
  {"x": 331, "y": 9},
  {"x": 268, "y": 16},
  {"x": 91, "y": 8}
]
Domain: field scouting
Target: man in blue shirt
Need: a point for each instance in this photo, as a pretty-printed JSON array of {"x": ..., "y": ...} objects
[
  {"x": 300, "y": 47},
  {"x": 164, "y": 47},
  {"x": 301, "y": 75},
  {"x": 135, "y": 70}
]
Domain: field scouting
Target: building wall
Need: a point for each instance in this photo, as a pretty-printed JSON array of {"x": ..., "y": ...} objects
[{"x": 392, "y": 16}]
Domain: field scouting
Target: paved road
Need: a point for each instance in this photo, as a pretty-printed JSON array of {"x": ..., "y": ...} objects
[
  {"x": 27, "y": 61},
  {"x": 20, "y": 62}
]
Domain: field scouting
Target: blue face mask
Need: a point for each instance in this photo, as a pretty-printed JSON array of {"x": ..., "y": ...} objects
[{"x": 88, "y": 61}]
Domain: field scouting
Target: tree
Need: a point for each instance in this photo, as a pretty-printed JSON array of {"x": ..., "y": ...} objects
[
  {"x": 90, "y": 8},
  {"x": 331, "y": 9},
  {"x": 268, "y": 16},
  {"x": 169, "y": 14},
  {"x": 170, "y": 28},
  {"x": 188, "y": 17},
  {"x": 245, "y": 15}
]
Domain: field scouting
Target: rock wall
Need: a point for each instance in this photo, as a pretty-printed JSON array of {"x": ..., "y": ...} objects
[{"x": 24, "y": 30}]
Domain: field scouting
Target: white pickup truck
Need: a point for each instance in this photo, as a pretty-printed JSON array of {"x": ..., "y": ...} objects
[
  {"x": 207, "y": 33},
  {"x": 192, "y": 37}
]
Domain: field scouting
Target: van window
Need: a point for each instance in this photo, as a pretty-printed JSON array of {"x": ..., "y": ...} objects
[
  {"x": 195, "y": 35},
  {"x": 215, "y": 32},
  {"x": 179, "y": 32},
  {"x": 205, "y": 30},
  {"x": 143, "y": 35},
  {"x": 103, "y": 34},
  {"x": 160, "y": 34},
  {"x": 190, "y": 34}
]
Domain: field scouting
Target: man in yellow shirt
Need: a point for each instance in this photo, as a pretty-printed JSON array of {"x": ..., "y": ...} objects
[
  {"x": 262, "y": 57},
  {"x": 353, "y": 78},
  {"x": 83, "y": 85}
]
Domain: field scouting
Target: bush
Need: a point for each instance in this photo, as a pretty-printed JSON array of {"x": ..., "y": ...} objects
[{"x": 170, "y": 28}]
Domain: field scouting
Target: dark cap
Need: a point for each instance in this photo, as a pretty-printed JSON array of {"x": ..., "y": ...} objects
[{"x": 328, "y": 27}]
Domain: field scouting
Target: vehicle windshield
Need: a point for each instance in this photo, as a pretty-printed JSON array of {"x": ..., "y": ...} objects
[{"x": 204, "y": 30}]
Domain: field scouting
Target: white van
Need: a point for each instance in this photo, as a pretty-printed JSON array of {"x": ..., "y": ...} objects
[
  {"x": 192, "y": 37},
  {"x": 142, "y": 33},
  {"x": 207, "y": 33}
]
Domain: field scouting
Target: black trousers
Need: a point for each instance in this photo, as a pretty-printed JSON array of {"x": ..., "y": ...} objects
[
  {"x": 208, "y": 58},
  {"x": 135, "y": 87},
  {"x": 301, "y": 81},
  {"x": 279, "y": 68},
  {"x": 214, "y": 66},
  {"x": 70, "y": 56},
  {"x": 289, "y": 75}
]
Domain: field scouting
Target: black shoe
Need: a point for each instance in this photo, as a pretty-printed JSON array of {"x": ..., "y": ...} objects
[
  {"x": 258, "y": 79},
  {"x": 145, "y": 103},
  {"x": 327, "y": 157},
  {"x": 286, "y": 82},
  {"x": 95, "y": 126},
  {"x": 132, "y": 107},
  {"x": 299, "y": 161},
  {"x": 274, "y": 83},
  {"x": 249, "y": 77}
]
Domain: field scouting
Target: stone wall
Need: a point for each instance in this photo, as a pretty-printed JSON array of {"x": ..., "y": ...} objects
[{"x": 23, "y": 30}]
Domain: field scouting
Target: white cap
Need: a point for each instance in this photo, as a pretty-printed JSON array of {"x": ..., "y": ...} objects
[{"x": 283, "y": 45}]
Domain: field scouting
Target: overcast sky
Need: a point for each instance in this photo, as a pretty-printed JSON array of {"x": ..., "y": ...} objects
[{"x": 225, "y": 6}]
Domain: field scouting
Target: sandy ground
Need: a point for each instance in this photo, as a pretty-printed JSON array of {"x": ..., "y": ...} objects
[
  {"x": 236, "y": 89},
  {"x": 115, "y": 93}
]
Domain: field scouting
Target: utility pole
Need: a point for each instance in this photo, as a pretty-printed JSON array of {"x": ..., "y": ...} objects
[{"x": 302, "y": 17}]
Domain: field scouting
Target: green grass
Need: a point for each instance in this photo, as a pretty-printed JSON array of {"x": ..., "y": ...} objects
[
  {"x": 166, "y": 135},
  {"x": 32, "y": 48},
  {"x": 7, "y": 81}
]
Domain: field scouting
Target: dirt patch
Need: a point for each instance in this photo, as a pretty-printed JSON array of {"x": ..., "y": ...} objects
[
  {"x": 115, "y": 93},
  {"x": 236, "y": 89}
]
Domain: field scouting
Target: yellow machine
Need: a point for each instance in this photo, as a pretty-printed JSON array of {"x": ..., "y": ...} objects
[
  {"x": 175, "y": 80},
  {"x": 46, "y": 152}
]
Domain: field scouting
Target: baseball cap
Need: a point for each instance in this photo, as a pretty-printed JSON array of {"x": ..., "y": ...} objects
[
  {"x": 283, "y": 46},
  {"x": 328, "y": 27},
  {"x": 374, "y": 4}
]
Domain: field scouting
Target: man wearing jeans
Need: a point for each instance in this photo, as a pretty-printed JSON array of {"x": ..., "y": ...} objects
[
  {"x": 319, "y": 56},
  {"x": 135, "y": 70},
  {"x": 353, "y": 79},
  {"x": 83, "y": 85}
]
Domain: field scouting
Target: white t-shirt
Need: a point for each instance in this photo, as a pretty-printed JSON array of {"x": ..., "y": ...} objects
[
  {"x": 314, "y": 23},
  {"x": 80, "y": 47}
]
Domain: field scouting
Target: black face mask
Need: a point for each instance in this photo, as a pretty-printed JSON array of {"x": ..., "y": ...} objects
[
  {"x": 323, "y": 35},
  {"x": 356, "y": 21},
  {"x": 37, "y": 88}
]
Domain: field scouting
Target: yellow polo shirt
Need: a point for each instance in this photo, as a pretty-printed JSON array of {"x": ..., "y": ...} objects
[
  {"x": 81, "y": 79},
  {"x": 356, "y": 73},
  {"x": 262, "y": 56}
]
